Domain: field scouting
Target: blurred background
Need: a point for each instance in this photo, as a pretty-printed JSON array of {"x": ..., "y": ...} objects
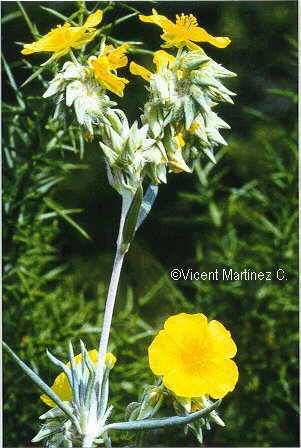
[{"x": 61, "y": 217}]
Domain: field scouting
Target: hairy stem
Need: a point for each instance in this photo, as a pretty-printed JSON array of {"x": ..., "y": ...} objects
[
  {"x": 107, "y": 320},
  {"x": 87, "y": 441},
  {"x": 109, "y": 309},
  {"x": 110, "y": 302}
]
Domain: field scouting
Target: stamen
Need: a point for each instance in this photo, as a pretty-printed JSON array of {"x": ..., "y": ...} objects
[{"x": 186, "y": 21}]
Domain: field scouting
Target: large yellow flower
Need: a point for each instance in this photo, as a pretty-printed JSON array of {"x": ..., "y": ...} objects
[
  {"x": 184, "y": 32},
  {"x": 193, "y": 356},
  {"x": 64, "y": 37},
  {"x": 61, "y": 384},
  {"x": 111, "y": 59}
]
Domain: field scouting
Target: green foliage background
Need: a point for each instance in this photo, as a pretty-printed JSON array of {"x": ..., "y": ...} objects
[{"x": 240, "y": 213}]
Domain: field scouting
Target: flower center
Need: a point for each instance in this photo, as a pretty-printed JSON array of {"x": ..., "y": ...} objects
[
  {"x": 196, "y": 358},
  {"x": 186, "y": 22}
]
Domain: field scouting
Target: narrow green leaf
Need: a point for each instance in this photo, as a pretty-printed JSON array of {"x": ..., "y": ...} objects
[
  {"x": 147, "y": 203},
  {"x": 39, "y": 382},
  {"x": 13, "y": 83},
  {"x": 54, "y": 214},
  {"x": 131, "y": 217},
  {"x": 53, "y": 273},
  {"x": 116, "y": 22},
  {"x": 62, "y": 213},
  {"x": 282, "y": 92},
  {"x": 161, "y": 422},
  {"x": 31, "y": 26},
  {"x": 215, "y": 214},
  {"x": 33, "y": 76},
  {"x": 63, "y": 366},
  {"x": 59, "y": 15},
  {"x": 11, "y": 16}
]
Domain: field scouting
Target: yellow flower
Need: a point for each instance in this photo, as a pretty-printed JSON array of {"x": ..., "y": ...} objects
[
  {"x": 61, "y": 384},
  {"x": 184, "y": 32},
  {"x": 194, "y": 127},
  {"x": 64, "y": 37},
  {"x": 111, "y": 59},
  {"x": 180, "y": 140},
  {"x": 161, "y": 59},
  {"x": 193, "y": 356},
  {"x": 175, "y": 159}
]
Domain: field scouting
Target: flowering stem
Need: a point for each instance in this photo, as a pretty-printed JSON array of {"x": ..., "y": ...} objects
[
  {"x": 107, "y": 320},
  {"x": 110, "y": 302}
]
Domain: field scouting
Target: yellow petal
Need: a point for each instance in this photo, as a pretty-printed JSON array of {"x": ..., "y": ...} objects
[
  {"x": 186, "y": 329},
  {"x": 222, "y": 345},
  {"x": 62, "y": 389},
  {"x": 112, "y": 83},
  {"x": 220, "y": 42},
  {"x": 185, "y": 384},
  {"x": 157, "y": 19},
  {"x": 117, "y": 58},
  {"x": 137, "y": 69},
  {"x": 87, "y": 37},
  {"x": 163, "y": 354},
  {"x": 162, "y": 59},
  {"x": 221, "y": 377},
  {"x": 192, "y": 46},
  {"x": 94, "y": 19}
]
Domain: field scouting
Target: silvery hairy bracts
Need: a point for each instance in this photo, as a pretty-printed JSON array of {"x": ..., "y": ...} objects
[
  {"x": 182, "y": 100},
  {"x": 130, "y": 153},
  {"x": 76, "y": 86}
]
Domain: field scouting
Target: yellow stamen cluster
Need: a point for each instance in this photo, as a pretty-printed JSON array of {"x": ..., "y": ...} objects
[{"x": 186, "y": 21}]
